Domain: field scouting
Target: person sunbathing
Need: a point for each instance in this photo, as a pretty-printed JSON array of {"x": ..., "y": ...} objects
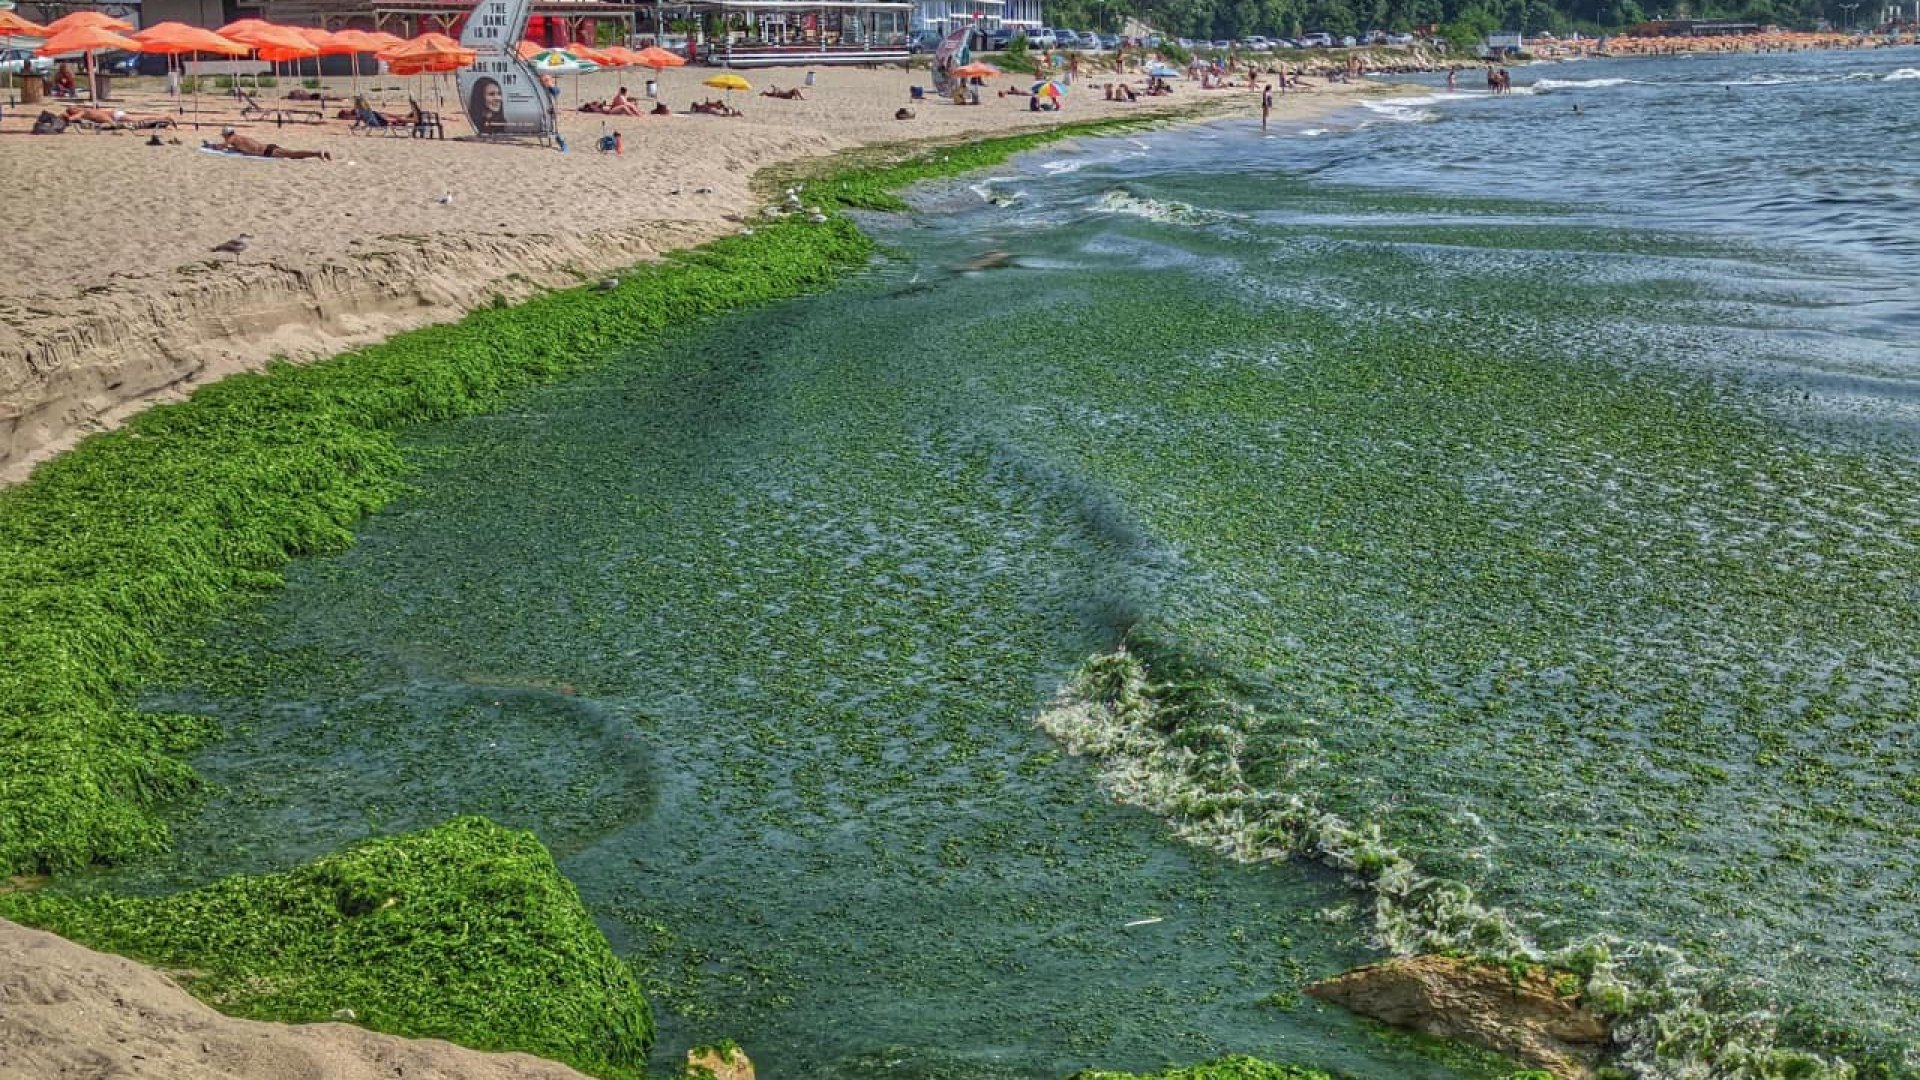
[
  {"x": 622, "y": 105},
  {"x": 116, "y": 119},
  {"x": 234, "y": 143},
  {"x": 790, "y": 95},
  {"x": 714, "y": 108}
]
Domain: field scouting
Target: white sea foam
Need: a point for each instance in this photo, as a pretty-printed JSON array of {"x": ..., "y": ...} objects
[
  {"x": 1121, "y": 201},
  {"x": 1062, "y": 168},
  {"x": 1407, "y": 110},
  {"x": 1577, "y": 84},
  {"x": 1903, "y": 75}
]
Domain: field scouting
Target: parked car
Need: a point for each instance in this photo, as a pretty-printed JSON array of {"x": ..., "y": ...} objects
[
  {"x": 1348, "y": 42},
  {"x": 1090, "y": 41},
  {"x": 998, "y": 40},
  {"x": 1256, "y": 43},
  {"x": 923, "y": 41},
  {"x": 1317, "y": 41},
  {"x": 1399, "y": 39},
  {"x": 1109, "y": 41},
  {"x": 1042, "y": 39},
  {"x": 11, "y": 59},
  {"x": 118, "y": 63}
]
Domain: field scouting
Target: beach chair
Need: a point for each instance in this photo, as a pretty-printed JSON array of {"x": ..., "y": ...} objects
[
  {"x": 254, "y": 110},
  {"x": 426, "y": 124}
]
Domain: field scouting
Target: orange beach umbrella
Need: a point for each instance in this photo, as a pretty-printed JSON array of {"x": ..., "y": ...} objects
[
  {"x": 655, "y": 57},
  {"x": 88, "y": 40},
  {"x": 89, "y": 20},
  {"x": 329, "y": 44},
  {"x": 179, "y": 39},
  {"x": 238, "y": 29},
  {"x": 175, "y": 38},
  {"x": 974, "y": 71},
  {"x": 12, "y": 25}
]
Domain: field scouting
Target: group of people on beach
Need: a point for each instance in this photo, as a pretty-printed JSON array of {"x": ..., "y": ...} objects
[{"x": 1499, "y": 81}]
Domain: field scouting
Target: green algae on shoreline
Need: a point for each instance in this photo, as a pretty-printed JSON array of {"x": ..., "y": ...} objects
[
  {"x": 108, "y": 551},
  {"x": 464, "y": 932}
]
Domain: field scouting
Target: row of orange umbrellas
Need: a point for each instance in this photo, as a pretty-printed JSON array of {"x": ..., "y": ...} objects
[{"x": 613, "y": 56}]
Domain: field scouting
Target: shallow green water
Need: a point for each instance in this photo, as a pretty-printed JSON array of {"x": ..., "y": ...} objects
[{"x": 751, "y": 628}]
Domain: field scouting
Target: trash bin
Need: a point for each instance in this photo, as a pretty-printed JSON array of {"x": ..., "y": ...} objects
[
  {"x": 33, "y": 89},
  {"x": 809, "y": 78},
  {"x": 653, "y": 88},
  {"x": 103, "y": 87}
]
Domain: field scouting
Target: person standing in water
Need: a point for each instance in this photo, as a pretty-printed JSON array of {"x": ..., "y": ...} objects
[{"x": 1266, "y": 105}]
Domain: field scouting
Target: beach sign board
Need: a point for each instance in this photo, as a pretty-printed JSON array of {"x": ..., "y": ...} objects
[
  {"x": 952, "y": 53},
  {"x": 500, "y": 92}
]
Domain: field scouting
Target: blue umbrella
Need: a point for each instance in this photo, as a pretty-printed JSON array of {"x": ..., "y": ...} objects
[{"x": 1162, "y": 71}]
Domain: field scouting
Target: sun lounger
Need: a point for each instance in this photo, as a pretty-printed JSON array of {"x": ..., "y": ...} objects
[{"x": 253, "y": 109}]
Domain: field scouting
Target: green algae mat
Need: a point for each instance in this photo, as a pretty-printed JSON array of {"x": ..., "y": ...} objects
[{"x": 749, "y": 623}]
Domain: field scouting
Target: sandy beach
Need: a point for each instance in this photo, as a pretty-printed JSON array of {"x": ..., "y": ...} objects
[
  {"x": 76, "y": 1012},
  {"x": 117, "y": 300}
]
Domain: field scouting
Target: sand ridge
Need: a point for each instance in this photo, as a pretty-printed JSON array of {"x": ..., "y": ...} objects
[
  {"x": 66, "y": 1010},
  {"x": 116, "y": 300}
]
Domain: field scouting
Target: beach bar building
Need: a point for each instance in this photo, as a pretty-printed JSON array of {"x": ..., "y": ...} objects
[
  {"x": 986, "y": 16},
  {"x": 757, "y": 33}
]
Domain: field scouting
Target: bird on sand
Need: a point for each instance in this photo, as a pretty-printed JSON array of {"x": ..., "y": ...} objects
[
  {"x": 234, "y": 246},
  {"x": 447, "y": 199}
]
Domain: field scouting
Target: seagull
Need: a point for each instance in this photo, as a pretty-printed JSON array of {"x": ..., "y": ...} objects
[
  {"x": 703, "y": 191},
  {"x": 447, "y": 199},
  {"x": 234, "y": 246},
  {"x": 675, "y": 191},
  {"x": 609, "y": 284}
]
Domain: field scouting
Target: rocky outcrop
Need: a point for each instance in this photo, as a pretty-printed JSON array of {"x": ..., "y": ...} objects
[
  {"x": 724, "y": 1062},
  {"x": 1522, "y": 1014},
  {"x": 66, "y": 1010}
]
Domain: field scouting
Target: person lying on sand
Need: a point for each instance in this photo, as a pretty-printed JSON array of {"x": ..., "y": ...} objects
[
  {"x": 234, "y": 143},
  {"x": 713, "y": 108},
  {"x": 116, "y": 119},
  {"x": 790, "y": 95}
]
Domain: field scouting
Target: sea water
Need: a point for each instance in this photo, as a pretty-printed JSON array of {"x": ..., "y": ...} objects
[{"x": 1540, "y": 481}]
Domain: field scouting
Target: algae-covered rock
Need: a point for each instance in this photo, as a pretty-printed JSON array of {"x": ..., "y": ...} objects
[
  {"x": 1515, "y": 1011},
  {"x": 725, "y": 1061},
  {"x": 464, "y": 932}
]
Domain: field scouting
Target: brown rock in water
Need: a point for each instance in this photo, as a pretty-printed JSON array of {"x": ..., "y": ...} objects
[
  {"x": 719, "y": 1062},
  {"x": 1477, "y": 1003}
]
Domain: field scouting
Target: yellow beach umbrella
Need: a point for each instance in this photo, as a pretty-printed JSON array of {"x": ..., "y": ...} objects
[{"x": 728, "y": 81}]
